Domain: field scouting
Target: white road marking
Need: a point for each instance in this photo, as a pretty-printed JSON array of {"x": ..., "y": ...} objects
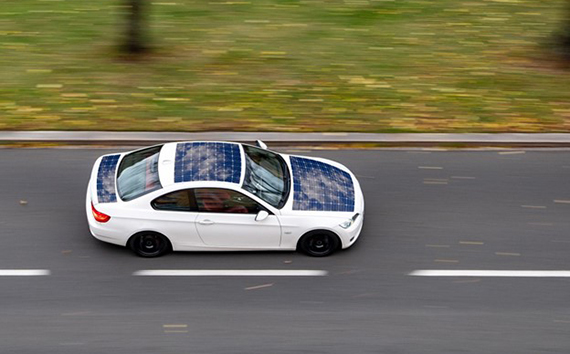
[
  {"x": 23, "y": 272},
  {"x": 507, "y": 254},
  {"x": 229, "y": 273},
  {"x": 430, "y": 168},
  {"x": 492, "y": 273},
  {"x": 533, "y": 206},
  {"x": 511, "y": 152},
  {"x": 561, "y": 201}
]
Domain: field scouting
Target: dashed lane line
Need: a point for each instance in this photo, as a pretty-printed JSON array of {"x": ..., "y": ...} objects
[
  {"x": 23, "y": 272},
  {"x": 229, "y": 273},
  {"x": 491, "y": 273}
]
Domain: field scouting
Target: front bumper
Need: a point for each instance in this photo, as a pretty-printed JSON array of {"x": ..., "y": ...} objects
[{"x": 351, "y": 234}]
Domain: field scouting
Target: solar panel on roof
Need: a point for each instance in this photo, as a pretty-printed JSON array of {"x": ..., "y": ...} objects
[
  {"x": 207, "y": 161},
  {"x": 106, "y": 179},
  {"x": 319, "y": 186}
]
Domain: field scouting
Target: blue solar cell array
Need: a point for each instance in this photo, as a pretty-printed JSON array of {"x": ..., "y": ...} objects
[
  {"x": 106, "y": 179},
  {"x": 320, "y": 186},
  {"x": 207, "y": 162}
]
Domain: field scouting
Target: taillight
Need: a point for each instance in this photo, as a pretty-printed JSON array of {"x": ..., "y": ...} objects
[{"x": 99, "y": 216}]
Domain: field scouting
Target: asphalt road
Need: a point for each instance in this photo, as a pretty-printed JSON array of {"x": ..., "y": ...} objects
[{"x": 474, "y": 210}]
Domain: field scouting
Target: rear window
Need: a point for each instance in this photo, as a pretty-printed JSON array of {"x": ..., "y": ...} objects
[{"x": 138, "y": 173}]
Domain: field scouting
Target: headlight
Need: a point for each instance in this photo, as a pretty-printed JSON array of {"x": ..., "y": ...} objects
[{"x": 348, "y": 223}]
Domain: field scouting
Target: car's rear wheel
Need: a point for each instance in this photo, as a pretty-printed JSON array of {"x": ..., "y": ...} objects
[
  {"x": 149, "y": 244},
  {"x": 319, "y": 243}
]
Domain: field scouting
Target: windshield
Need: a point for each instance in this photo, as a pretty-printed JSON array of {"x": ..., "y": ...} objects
[
  {"x": 266, "y": 176},
  {"x": 138, "y": 173}
]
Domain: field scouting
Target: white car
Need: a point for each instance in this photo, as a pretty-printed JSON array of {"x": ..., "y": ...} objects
[{"x": 222, "y": 196}]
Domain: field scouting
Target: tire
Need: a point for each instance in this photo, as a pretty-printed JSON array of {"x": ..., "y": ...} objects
[
  {"x": 149, "y": 244},
  {"x": 319, "y": 243}
]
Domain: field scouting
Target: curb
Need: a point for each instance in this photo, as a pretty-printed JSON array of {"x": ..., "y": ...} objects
[{"x": 396, "y": 139}]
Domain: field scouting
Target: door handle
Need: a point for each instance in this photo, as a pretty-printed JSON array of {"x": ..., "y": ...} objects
[{"x": 205, "y": 222}]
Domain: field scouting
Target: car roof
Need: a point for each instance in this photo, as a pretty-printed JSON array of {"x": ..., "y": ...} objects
[{"x": 197, "y": 161}]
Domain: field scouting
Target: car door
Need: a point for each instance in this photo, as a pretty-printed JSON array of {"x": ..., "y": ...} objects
[
  {"x": 226, "y": 219},
  {"x": 175, "y": 216}
]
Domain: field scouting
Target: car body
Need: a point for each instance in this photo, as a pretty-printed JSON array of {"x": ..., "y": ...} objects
[{"x": 222, "y": 196}]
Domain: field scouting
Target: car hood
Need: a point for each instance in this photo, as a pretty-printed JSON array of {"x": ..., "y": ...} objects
[{"x": 321, "y": 185}]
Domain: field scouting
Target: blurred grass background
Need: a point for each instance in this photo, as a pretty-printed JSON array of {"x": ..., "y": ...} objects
[{"x": 285, "y": 65}]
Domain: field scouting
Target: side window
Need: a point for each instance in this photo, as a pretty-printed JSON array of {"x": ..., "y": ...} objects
[
  {"x": 214, "y": 200},
  {"x": 176, "y": 201}
]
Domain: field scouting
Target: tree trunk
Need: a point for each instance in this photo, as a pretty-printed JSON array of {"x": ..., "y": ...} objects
[
  {"x": 135, "y": 36},
  {"x": 563, "y": 37}
]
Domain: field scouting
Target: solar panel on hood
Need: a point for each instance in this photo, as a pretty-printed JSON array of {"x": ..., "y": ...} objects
[
  {"x": 321, "y": 187},
  {"x": 106, "y": 179},
  {"x": 206, "y": 161}
]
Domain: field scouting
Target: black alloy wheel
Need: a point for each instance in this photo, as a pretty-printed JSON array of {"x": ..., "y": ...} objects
[
  {"x": 319, "y": 244},
  {"x": 149, "y": 244}
]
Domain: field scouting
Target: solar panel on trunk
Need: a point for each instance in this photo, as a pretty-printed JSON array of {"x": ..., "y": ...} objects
[
  {"x": 206, "y": 161},
  {"x": 321, "y": 187},
  {"x": 106, "y": 179}
]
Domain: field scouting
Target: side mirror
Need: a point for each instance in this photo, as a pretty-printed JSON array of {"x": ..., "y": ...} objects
[
  {"x": 262, "y": 215},
  {"x": 261, "y": 144}
]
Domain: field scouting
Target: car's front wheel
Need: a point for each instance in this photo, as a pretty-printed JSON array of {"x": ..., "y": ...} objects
[
  {"x": 149, "y": 244},
  {"x": 319, "y": 243}
]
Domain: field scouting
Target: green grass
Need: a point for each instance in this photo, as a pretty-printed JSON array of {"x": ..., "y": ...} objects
[{"x": 285, "y": 65}]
